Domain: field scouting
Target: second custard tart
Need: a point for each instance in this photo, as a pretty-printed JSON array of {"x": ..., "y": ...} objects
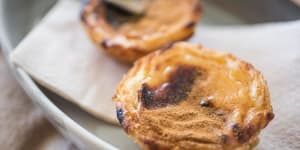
[
  {"x": 187, "y": 97},
  {"x": 128, "y": 37}
]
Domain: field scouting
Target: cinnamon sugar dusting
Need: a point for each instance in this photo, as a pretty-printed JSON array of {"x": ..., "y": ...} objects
[{"x": 172, "y": 91}]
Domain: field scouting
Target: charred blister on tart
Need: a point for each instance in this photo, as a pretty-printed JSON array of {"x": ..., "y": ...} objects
[
  {"x": 189, "y": 97},
  {"x": 128, "y": 37}
]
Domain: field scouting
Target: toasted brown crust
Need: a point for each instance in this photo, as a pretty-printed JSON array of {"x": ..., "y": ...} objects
[
  {"x": 189, "y": 97},
  {"x": 163, "y": 23}
]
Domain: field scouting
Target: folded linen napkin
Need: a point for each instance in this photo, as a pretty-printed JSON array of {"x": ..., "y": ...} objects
[{"x": 59, "y": 55}]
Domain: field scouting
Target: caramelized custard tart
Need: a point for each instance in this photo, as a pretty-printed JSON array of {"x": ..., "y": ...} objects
[
  {"x": 187, "y": 97},
  {"x": 128, "y": 37}
]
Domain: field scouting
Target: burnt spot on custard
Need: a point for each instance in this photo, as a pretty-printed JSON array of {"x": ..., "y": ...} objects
[
  {"x": 171, "y": 92},
  {"x": 270, "y": 116},
  {"x": 250, "y": 130},
  {"x": 104, "y": 43},
  {"x": 243, "y": 134},
  {"x": 120, "y": 114},
  {"x": 151, "y": 145},
  {"x": 121, "y": 118},
  {"x": 238, "y": 132}
]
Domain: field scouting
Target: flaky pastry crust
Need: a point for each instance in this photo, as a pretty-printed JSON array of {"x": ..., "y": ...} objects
[
  {"x": 188, "y": 97},
  {"x": 164, "y": 22}
]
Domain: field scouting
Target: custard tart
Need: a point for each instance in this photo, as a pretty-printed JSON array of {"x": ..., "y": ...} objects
[
  {"x": 187, "y": 97},
  {"x": 128, "y": 37}
]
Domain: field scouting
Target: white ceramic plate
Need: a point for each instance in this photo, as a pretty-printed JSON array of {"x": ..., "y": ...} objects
[{"x": 18, "y": 17}]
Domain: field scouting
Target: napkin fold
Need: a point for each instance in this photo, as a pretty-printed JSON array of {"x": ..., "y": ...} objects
[{"x": 59, "y": 55}]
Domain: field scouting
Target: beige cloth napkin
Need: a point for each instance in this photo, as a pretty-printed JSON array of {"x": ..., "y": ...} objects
[
  {"x": 22, "y": 126},
  {"x": 60, "y": 56}
]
